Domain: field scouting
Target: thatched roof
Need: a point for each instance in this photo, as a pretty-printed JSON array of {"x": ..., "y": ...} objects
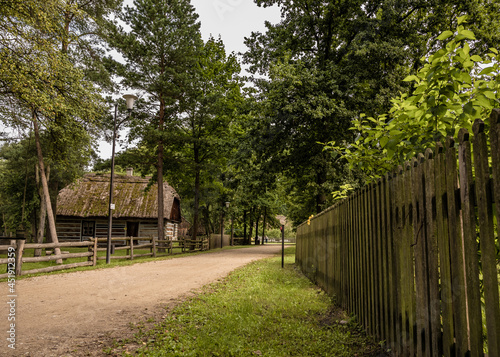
[{"x": 89, "y": 197}]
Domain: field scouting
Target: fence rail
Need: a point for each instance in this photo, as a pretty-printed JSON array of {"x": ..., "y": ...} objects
[
  {"x": 414, "y": 255},
  {"x": 130, "y": 244}
]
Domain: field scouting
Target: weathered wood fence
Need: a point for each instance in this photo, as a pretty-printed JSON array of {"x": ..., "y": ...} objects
[
  {"x": 414, "y": 255},
  {"x": 17, "y": 247}
]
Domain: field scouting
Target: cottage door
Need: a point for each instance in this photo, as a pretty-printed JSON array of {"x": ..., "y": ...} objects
[{"x": 132, "y": 229}]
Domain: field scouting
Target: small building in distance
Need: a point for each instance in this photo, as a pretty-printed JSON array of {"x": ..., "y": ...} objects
[{"x": 82, "y": 208}]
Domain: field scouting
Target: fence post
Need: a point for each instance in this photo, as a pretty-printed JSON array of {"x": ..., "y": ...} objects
[
  {"x": 153, "y": 248},
  {"x": 94, "y": 261},
  {"x": 131, "y": 248},
  {"x": 19, "y": 256}
]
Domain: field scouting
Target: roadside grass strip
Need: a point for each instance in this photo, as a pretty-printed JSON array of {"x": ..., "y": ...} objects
[{"x": 260, "y": 309}]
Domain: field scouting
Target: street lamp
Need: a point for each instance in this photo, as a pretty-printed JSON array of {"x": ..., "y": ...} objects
[
  {"x": 283, "y": 222},
  {"x": 130, "y": 99}
]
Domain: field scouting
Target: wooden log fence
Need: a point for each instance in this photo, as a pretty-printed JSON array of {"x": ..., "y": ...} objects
[
  {"x": 415, "y": 255},
  {"x": 132, "y": 245}
]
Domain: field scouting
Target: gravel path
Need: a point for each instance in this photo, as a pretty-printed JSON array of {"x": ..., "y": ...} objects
[{"x": 77, "y": 314}]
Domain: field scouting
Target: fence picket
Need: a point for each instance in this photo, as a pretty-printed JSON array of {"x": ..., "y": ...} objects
[
  {"x": 448, "y": 337},
  {"x": 470, "y": 245},
  {"x": 432, "y": 255},
  {"x": 457, "y": 265},
  {"x": 487, "y": 238}
]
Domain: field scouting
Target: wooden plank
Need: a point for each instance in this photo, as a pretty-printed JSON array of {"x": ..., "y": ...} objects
[
  {"x": 94, "y": 257},
  {"x": 484, "y": 198},
  {"x": 19, "y": 256},
  {"x": 143, "y": 255},
  {"x": 421, "y": 265},
  {"x": 471, "y": 247},
  {"x": 448, "y": 339},
  {"x": 55, "y": 257},
  {"x": 379, "y": 261},
  {"x": 397, "y": 212},
  {"x": 408, "y": 264},
  {"x": 57, "y": 267},
  {"x": 365, "y": 269},
  {"x": 352, "y": 258},
  {"x": 434, "y": 345},
  {"x": 358, "y": 257},
  {"x": 389, "y": 251},
  {"x": 372, "y": 316},
  {"x": 455, "y": 239},
  {"x": 57, "y": 245}
]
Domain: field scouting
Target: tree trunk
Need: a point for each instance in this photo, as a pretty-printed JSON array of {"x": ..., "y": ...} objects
[
  {"x": 42, "y": 217},
  {"x": 257, "y": 242},
  {"x": 45, "y": 187},
  {"x": 196, "y": 193},
  {"x": 251, "y": 225},
  {"x": 161, "y": 230},
  {"x": 4, "y": 225},
  {"x": 264, "y": 226},
  {"x": 245, "y": 227}
]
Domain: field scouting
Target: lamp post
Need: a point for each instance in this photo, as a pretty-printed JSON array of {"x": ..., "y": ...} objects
[
  {"x": 130, "y": 99},
  {"x": 283, "y": 222}
]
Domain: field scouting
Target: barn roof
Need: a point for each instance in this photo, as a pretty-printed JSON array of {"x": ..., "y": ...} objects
[{"x": 89, "y": 197}]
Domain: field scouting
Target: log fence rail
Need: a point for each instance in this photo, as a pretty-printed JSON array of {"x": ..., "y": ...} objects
[{"x": 134, "y": 247}]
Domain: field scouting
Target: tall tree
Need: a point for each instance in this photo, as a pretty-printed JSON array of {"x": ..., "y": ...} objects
[
  {"x": 39, "y": 84},
  {"x": 211, "y": 105},
  {"x": 326, "y": 62},
  {"x": 159, "y": 52}
]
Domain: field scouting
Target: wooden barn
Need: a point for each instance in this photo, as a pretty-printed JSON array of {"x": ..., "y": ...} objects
[{"x": 82, "y": 208}]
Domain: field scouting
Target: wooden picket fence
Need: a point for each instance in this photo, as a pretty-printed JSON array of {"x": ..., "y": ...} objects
[
  {"x": 414, "y": 255},
  {"x": 132, "y": 245}
]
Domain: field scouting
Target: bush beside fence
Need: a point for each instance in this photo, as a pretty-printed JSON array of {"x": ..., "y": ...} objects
[{"x": 414, "y": 255}]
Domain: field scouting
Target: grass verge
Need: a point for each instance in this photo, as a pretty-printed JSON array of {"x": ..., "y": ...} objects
[{"x": 259, "y": 309}]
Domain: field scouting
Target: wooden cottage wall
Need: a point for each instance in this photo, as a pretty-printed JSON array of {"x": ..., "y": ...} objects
[
  {"x": 69, "y": 228},
  {"x": 119, "y": 228},
  {"x": 148, "y": 229}
]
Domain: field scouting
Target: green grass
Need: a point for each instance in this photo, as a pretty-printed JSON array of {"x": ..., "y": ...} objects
[{"x": 260, "y": 309}]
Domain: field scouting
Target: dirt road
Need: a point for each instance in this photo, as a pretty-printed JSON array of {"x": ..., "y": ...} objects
[{"x": 77, "y": 314}]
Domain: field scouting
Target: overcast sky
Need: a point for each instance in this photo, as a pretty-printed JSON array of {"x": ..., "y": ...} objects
[{"x": 233, "y": 20}]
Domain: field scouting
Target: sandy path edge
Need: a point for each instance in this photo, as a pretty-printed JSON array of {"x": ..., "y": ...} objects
[{"x": 74, "y": 314}]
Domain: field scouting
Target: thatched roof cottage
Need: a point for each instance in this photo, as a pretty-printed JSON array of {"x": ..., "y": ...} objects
[{"x": 82, "y": 208}]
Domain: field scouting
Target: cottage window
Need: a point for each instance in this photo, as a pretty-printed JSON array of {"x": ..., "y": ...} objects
[{"x": 88, "y": 229}]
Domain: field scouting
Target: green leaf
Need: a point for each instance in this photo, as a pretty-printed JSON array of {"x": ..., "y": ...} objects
[
  {"x": 411, "y": 78},
  {"x": 487, "y": 70},
  {"x": 462, "y": 19},
  {"x": 465, "y": 77},
  {"x": 489, "y": 95},
  {"x": 468, "y": 108},
  {"x": 494, "y": 50},
  {"x": 467, "y": 34},
  {"x": 476, "y": 58},
  {"x": 445, "y": 35}
]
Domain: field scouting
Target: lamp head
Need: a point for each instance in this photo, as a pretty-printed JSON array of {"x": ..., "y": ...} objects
[{"x": 130, "y": 98}]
